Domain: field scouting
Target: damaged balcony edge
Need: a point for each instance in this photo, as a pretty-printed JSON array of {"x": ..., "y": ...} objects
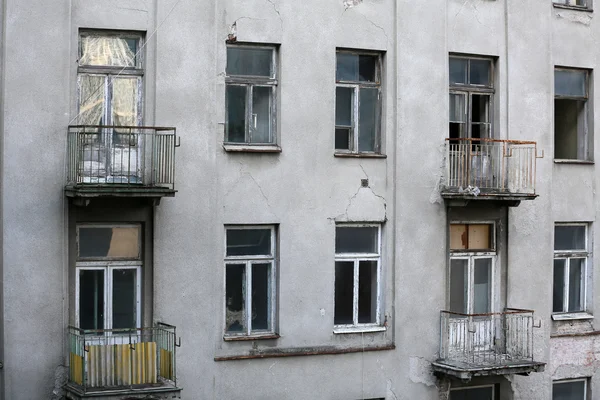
[
  {"x": 359, "y": 155},
  {"x": 249, "y": 338},
  {"x": 574, "y": 8},
  {"x": 305, "y": 351},
  {"x": 578, "y": 334},
  {"x": 245, "y": 148}
]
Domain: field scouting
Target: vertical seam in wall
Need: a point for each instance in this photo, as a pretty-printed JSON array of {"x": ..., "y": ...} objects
[
  {"x": 2, "y": 88},
  {"x": 395, "y": 149}
]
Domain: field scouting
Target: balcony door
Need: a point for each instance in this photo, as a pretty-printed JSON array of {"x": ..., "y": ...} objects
[{"x": 110, "y": 96}]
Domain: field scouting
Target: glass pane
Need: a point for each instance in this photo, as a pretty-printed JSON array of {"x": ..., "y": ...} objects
[
  {"x": 458, "y": 111},
  {"x": 235, "y": 298},
  {"x": 570, "y": 82},
  {"x": 558, "y": 291},
  {"x": 346, "y": 67},
  {"x": 569, "y": 237},
  {"x": 354, "y": 239},
  {"x": 124, "y": 299},
  {"x": 367, "y": 119},
  {"x": 480, "y": 72},
  {"x": 576, "y": 276},
  {"x": 458, "y": 70},
  {"x": 458, "y": 286},
  {"x": 249, "y": 61},
  {"x": 344, "y": 106},
  {"x": 480, "y": 108},
  {"x": 109, "y": 242},
  {"x": 261, "y": 114},
  {"x": 342, "y": 138},
  {"x": 569, "y": 129},
  {"x": 125, "y": 101},
  {"x": 91, "y": 99},
  {"x": 344, "y": 293},
  {"x": 261, "y": 297},
  {"x": 483, "y": 393},
  {"x": 367, "y": 292},
  {"x": 569, "y": 391},
  {"x": 482, "y": 286},
  {"x": 248, "y": 242},
  {"x": 236, "y": 113},
  {"x": 110, "y": 51},
  {"x": 91, "y": 299},
  {"x": 367, "y": 68}
]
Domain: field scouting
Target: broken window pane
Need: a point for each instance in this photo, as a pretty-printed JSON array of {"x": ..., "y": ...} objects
[
  {"x": 236, "y": 113},
  {"x": 261, "y": 114},
  {"x": 346, "y": 67},
  {"x": 576, "y": 271},
  {"x": 91, "y": 299},
  {"x": 458, "y": 285},
  {"x": 235, "y": 295},
  {"x": 248, "y": 61},
  {"x": 458, "y": 70},
  {"x": 367, "y": 292},
  {"x": 344, "y": 292},
  {"x": 458, "y": 237},
  {"x": 570, "y": 83},
  {"x": 108, "y": 51},
  {"x": 569, "y": 237},
  {"x": 367, "y": 125},
  {"x": 261, "y": 294},
  {"x": 569, "y": 390},
  {"x": 109, "y": 242},
  {"x": 480, "y": 236},
  {"x": 124, "y": 298},
  {"x": 482, "y": 285},
  {"x": 354, "y": 239},
  {"x": 367, "y": 68},
  {"x": 558, "y": 292},
  {"x": 480, "y": 72},
  {"x": 569, "y": 129},
  {"x": 248, "y": 242}
]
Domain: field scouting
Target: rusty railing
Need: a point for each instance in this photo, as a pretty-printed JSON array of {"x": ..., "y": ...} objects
[
  {"x": 104, "y": 359},
  {"x": 121, "y": 155},
  {"x": 487, "y": 339},
  {"x": 490, "y": 165}
]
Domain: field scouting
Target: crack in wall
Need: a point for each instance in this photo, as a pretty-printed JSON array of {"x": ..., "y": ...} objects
[
  {"x": 277, "y": 11},
  {"x": 377, "y": 26}
]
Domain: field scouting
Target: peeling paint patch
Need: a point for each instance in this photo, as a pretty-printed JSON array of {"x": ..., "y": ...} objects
[
  {"x": 420, "y": 371},
  {"x": 578, "y": 18},
  {"x": 351, "y": 3}
]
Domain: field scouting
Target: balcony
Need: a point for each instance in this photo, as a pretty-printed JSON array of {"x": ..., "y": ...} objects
[
  {"x": 113, "y": 364},
  {"x": 474, "y": 345},
  {"x": 120, "y": 161},
  {"x": 489, "y": 169}
]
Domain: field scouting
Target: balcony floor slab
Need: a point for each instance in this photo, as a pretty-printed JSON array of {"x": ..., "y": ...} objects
[
  {"x": 92, "y": 191},
  {"x": 465, "y": 371},
  {"x": 164, "y": 391}
]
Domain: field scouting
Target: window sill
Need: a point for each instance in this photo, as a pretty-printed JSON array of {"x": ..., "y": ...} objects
[
  {"x": 359, "y": 155},
  {"x": 359, "y": 329},
  {"x": 575, "y": 8},
  {"x": 572, "y": 316},
  {"x": 562, "y": 161},
  {"x": 251, "y": 148},
  {"x": 266, "y": 336}
]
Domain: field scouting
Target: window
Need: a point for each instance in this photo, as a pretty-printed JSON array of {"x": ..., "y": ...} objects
[
  {"x": 250, "y": 280},
  {"x": 472, "y": 262},
  {"x": 570, "y": 390},
  {"x": 108, "y": 277},
  {"x": 358, "y": 102},
  {"x": 471, "y": 96},
  {"x": 574, "y": 3},
  {"x": 570, "y": 265},
  {"x": 251, "y": 83},
  {"x": 571, "y": 114},
  {"x": 357, "y": 275},
  {"x": 475, "y": 393}
]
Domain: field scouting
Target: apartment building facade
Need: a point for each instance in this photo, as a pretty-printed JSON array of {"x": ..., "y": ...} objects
[{"x": 342, "y": 199}]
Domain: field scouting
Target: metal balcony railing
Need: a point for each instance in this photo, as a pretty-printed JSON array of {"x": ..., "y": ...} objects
[
  {"x": 119, "y": 359},
  {"x": 487, "y": 340},
  {"x": 121, "y": 155},
  {"x": 490, "y": 166}
]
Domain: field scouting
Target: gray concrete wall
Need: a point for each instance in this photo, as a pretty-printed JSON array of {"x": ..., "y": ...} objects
[{"x": 303, "y": 189}]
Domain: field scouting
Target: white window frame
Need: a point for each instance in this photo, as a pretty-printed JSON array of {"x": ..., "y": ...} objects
[
  {"x": 568, "y": 255},
  {"x": 573, "y": 4},
  {"x": 250, "y": 82},
  {"x": 476, "y": 387},
  {"x": 471, "y": 256},
  {"x": 356, "y": 86},
  {"x": 248, "y": 261},
  {"x": 585, "y": 385},
  {"x": 356, "y": 258}
]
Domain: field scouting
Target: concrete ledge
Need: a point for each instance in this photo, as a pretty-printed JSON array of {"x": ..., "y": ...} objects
[{"x": 302, "y": 351}]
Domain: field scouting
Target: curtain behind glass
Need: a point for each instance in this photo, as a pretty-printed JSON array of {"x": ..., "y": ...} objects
[
  {"x": 91, "y": 99},
  {"x": 107, "y": 51}
]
